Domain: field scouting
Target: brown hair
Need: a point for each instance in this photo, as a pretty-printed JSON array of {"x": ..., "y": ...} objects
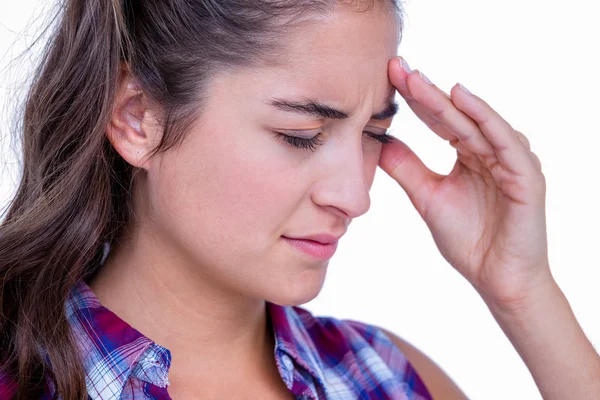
[{"x": 74, "y": 192}]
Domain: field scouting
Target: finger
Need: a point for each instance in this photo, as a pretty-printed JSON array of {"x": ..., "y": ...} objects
[
  {"x": 406, "y": 168},
  {"x": 437, "y": 105},
  {"x": 468, "y": 158},
  {"x": 430, "y": 121},
  {"x": 523, "y": 139},
  {"x": 536, "y": 161},
  {"x": 474, "y": 165},
  {"x": 509, "y": 149},
  {"x": 461, "y": 147},
  {"x": 534, "y": 158},
  {"x": 397, "y": 76}
]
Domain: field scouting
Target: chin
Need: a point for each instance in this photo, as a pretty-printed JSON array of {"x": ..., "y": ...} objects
[{"x": 301, "y": 290}]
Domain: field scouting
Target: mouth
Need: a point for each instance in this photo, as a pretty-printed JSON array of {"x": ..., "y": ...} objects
[{"x": 317, "y": 250}]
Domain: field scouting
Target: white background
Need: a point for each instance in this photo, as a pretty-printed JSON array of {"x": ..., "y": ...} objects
[{"x": 537, "y": 63}]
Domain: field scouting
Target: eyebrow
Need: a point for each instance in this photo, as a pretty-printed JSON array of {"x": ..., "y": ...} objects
[{"x": 316, "y": 109}]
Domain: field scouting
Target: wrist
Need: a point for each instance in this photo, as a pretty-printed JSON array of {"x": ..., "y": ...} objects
[{"x": 535, "y": 298}]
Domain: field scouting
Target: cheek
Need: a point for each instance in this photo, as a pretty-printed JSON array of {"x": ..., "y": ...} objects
[{"x": 224, "y": 195}]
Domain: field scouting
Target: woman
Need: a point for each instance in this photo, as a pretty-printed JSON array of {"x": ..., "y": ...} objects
[{"x": 189, "y": 169}]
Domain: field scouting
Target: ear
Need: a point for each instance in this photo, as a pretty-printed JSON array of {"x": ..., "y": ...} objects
[{"x": 133, "y": 129}]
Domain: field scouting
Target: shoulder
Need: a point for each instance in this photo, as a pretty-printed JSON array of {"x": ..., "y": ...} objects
[
  {"x": 439, "y": 384},
  {"x": 400, "y": 354},
  {"x": 356, "y": 360}
]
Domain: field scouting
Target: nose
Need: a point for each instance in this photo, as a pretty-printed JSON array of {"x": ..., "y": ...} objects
[{"x": 345, "y": 183}]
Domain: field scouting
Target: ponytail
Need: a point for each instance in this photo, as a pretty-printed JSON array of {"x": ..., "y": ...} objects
[{"x": 67, "y": 203}]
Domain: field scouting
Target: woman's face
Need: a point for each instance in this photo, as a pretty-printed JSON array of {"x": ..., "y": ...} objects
[{"x": 228, "y": 194}]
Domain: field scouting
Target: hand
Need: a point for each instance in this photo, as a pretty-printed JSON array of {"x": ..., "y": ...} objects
[{"x": 487, "y": 217}]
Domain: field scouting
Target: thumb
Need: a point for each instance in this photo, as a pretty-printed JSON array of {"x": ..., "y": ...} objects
[{"x": 406, "y": 168}]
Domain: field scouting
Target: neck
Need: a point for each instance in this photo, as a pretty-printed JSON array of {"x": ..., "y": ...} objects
[{"x": 157, "y": 291}]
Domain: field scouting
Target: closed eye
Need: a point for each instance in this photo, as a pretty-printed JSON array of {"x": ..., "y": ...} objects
[{"x": 313, "y": 143}]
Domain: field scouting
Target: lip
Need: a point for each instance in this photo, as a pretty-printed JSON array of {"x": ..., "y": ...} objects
[
  {"x": 323, "y": 238},
  {"x": 318, "y": 250}
]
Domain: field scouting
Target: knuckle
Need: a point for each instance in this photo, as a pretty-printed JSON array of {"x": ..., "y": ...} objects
[
  {"x": 536, "y": 161},
  {"x": 523, "y": 139}
]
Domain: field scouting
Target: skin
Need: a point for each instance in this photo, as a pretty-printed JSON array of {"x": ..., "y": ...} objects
[
  {"x": 205, "y": 249},
  {"x": 487, "y": 217}
]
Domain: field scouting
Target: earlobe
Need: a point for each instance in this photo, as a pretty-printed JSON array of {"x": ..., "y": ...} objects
[{"x": 128, "y": 131}]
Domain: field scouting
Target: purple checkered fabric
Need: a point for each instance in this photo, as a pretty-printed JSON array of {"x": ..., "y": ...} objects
[{"x": 317, "y": 357}]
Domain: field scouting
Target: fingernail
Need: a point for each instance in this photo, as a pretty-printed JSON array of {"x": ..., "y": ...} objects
[
  {"x": 464, "y": 89},
  {"x": 424, "y": 78},
  {"x": 404, "y": 65}
]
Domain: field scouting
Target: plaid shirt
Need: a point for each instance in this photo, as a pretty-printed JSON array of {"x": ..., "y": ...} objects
[{"x": 317, "y": 357}]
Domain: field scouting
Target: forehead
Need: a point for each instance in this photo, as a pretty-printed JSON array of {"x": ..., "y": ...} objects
[{"x": 341, "y": 56}]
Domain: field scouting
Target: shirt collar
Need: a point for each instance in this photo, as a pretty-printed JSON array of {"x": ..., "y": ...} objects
[
  {"x": 113, "y": 350},
  {"x": 291, "y": 337}
]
